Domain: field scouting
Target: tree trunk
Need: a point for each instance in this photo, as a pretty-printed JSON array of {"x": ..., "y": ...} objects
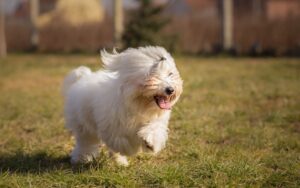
[
  {"x": 34, "y": 13},
  {"x": 227, "y": 19},
  {"x": 118, "y": 23},
  {"x": 3, "y": 50}
]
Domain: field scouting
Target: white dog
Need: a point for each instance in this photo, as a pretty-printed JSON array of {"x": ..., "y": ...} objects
[{"x": 126, "y": 106}]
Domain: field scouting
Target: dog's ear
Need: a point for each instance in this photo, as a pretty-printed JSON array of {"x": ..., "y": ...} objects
[
  {"x": 162, "y": 59},
  {"x": 158, "y": 67},
  {"x": 109, "y": 59},
  {"x": 155, "y": 68},
  {"x": 159, "y": 63}
]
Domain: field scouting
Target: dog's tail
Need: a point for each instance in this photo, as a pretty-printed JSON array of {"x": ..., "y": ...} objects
[{"x": 73, "y": 76}]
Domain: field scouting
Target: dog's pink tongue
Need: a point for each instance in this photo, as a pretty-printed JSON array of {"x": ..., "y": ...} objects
[{"x": 164, "y": 104}]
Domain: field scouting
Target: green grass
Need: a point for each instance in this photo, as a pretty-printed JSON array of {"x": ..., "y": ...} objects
[{"x": 237, "y": 125}]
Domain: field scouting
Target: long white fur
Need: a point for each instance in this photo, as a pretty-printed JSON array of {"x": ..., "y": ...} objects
[{"x": 102, "y": 106}]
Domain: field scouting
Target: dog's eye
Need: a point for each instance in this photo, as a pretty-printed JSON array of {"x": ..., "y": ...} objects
[{"x": 170, "y": 74}]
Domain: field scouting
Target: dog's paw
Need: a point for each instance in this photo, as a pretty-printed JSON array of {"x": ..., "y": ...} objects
[
  {"x": 148, "y": 145},
  {"x": 153, "y": 139},
  {"x": 81, "y": 159},
  {"x": 122, "y": 160},
  {"x": 152, "y": 143},
  {"x": 78, "y": 157}
]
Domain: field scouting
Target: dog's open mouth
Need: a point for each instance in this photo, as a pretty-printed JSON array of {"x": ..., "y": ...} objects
[{"x": 163, "y": 102}]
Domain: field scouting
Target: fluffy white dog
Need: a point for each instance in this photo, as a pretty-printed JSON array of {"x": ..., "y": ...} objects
[{"x": 126, "y": 106}]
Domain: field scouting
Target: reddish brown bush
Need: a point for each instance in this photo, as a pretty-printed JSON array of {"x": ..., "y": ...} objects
[{"x": 66, "y": 38}]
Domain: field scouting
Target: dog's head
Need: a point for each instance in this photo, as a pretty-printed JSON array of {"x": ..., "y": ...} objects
[
  {"x": 163, "y": 84},
  {"x": 148, "y": 76}
]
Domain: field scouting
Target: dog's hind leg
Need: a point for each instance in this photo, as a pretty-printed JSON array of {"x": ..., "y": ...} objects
[
  {"x": 86, "y": 148},
  {"x": 120, "y": 159}
]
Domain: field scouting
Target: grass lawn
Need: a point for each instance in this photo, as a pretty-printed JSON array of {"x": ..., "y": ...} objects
[{"x": 236, "y": 124}]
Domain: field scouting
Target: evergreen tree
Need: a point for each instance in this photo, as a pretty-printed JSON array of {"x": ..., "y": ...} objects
[{"x": 144, "y": 25}]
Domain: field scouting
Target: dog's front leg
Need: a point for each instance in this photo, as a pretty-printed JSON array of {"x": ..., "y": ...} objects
[{"x": 154, "y": 136}]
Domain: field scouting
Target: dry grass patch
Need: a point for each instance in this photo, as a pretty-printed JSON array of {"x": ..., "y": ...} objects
[{"x": 237, "y": 124}]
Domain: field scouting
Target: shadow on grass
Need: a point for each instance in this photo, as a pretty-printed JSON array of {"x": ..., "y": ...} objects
[{"x": 42, "y": 162}]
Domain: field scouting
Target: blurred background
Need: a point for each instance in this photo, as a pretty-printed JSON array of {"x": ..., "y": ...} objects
[{"x": 240, "y": 27}]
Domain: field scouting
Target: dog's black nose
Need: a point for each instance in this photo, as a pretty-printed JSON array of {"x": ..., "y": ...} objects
[{"x": 169, "y": 90}]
